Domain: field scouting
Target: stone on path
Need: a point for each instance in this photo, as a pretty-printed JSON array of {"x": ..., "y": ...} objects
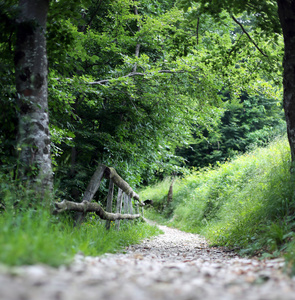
[{"x": 175, "y": 265}]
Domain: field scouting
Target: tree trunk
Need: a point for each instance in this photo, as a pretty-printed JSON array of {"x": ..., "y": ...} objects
[
  {"x": 286, "y": 11},
  {"x": 31, "y": 84}
]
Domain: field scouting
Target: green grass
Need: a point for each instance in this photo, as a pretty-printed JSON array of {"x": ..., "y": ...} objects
[
  {"x": 35, "y": 236},
  {"x": 247, "y": 203}
]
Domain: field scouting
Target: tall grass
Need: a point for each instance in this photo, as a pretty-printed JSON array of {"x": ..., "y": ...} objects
[
  {"x": 247, "y": 203},
  {"x": 37, "y": 237},
  {"x": 33, "y": 235}
]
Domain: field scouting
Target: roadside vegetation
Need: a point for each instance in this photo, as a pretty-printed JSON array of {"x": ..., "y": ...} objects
[
  {"x": 246, "y": 203},
  {"x": 33, "y": 236}
]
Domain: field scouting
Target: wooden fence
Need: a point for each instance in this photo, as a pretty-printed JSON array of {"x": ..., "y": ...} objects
[{"x": 124, "y": 199}]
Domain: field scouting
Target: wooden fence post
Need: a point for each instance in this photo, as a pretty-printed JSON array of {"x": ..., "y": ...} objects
[
  {"x": 91, "y": 190},
  {"x": 119, "y": 206},
  {"x": 130, "y": 208},
  {"x": 124, "y": 190},
  {"x": 110, "y": 202},
  {"x": 170, "y": 192},
  {"x": 94, "y": 183},
  {"x": 125, "y": 207}
]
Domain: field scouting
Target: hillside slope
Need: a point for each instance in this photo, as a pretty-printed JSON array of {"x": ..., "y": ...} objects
[{"x": 247, "y": 203}]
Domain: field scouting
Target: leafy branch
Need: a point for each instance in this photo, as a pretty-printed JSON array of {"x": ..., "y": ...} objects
[
  {"x": 248, "y": 35},
  {"x": 132, "y": 74}
]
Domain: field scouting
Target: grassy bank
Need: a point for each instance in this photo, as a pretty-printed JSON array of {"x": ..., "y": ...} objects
[
  {"x": 247, "y": 203},
  {"x": 35, "y": 236}
]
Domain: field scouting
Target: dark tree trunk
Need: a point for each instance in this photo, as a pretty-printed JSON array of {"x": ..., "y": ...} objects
[
  {"x": 31, "y": 84},
  {"x": 286, "y": 10}
]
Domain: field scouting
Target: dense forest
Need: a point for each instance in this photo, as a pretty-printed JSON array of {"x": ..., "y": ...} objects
[{"x": 152, "y": 88}]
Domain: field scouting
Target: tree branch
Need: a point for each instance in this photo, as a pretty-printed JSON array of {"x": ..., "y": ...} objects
[
  {"x": 122, "y": 184},
  {"x": 99, "y": 2},
  {"x": 198, "y": 24},
  {"x": 132, "y": 74},
  {"x": 137, "y": 48},
  {"x": 86, "y": 206},
  {"x": 253, "y": 42}
]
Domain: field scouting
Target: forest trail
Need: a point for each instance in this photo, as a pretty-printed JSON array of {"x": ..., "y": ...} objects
[{"x": 174, "y": 265}]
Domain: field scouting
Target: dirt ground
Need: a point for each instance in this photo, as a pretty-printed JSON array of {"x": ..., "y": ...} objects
[{"x": 174, "y": 265}]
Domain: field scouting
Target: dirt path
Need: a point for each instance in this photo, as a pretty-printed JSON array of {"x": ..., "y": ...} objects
[{"x": 175, "y": 265}]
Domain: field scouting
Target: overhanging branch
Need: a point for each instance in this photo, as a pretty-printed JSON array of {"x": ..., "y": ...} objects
[
  {"x": 133, "y": 74},
  {"x": 249, "y": 37}
]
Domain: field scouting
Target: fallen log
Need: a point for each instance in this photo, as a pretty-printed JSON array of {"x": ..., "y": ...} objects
[{"x": 86, "y": 206}]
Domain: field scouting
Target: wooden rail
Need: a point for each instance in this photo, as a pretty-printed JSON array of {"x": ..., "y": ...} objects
[{"x": 125, "y": 196}]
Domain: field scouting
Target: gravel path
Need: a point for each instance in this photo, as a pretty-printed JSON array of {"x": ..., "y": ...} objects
[{"x": 175, "y": 265}]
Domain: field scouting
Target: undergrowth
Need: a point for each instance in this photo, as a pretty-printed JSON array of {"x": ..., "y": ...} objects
[
  {"x": 247, "y": 203},
  {"x": 33, "y": 235}
]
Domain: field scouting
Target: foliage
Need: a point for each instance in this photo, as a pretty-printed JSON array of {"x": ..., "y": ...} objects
[
  {"x": 135, "y": 122},
  {"x": 109, "y": 104},
  {"x": 253, "y": 121},
  {"x": 131, "y": 123},
  {"x": 265, "y": 12},
  {"x": 158, "y": 194},
  {"x": 247, "y": 203}
]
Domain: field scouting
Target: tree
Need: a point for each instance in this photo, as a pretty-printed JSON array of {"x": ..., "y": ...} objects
[
  {"x": 33, "y": 141},
  {"x": 131, "y": 120},
  {"x": 273, "y": 17},
  {"x": 286, "y": 11},
  {"x": 253, "y": 120}
]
